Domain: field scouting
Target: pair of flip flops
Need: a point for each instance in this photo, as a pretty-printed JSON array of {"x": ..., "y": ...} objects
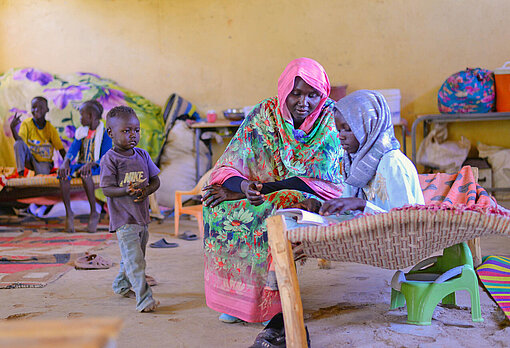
[
  {"x": 92, "y": 261},
  {"x": 188, "y": 235},
  {"x": 162, "y": 243}
]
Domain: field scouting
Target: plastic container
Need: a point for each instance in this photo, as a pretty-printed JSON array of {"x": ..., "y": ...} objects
[
  {"x": 502, "y": 80},
  {"x": 211, "y": 116},
  {"x": 392, "y": 97}
]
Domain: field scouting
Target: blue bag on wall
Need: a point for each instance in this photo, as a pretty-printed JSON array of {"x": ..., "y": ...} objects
[{"x": 468, "y": 91}]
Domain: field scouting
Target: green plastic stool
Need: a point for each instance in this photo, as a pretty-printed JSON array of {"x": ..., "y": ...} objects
[{"x": 433, "y": 280}]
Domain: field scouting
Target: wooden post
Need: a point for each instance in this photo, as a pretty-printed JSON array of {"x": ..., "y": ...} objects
[
  {"x": 474, "y": 244},
  {"x": 281, "y": 250}
]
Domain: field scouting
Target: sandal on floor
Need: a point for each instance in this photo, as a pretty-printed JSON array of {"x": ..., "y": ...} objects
[
  {"x": 229, "y": 319},
  {"x": 273, "y": 335},
  {"x": 188, "y": 235},
  {"x": 92, "y": 261},
  {"x": 162, "y": 243}
]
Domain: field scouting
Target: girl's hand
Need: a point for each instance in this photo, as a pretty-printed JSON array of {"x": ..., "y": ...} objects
[
  {"x": 341, "y": 205},
  {"x": 215, "y": 194},
  {"x": 251, "y": 190}
]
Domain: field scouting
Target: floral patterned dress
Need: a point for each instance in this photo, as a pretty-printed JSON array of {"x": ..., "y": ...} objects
[{"x": 237, "y": 255}]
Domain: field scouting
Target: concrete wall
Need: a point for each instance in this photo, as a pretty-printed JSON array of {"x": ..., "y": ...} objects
[{"x": 221, "y": 54}]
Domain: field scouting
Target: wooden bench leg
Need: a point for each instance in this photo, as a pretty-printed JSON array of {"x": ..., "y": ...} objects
[
  {"x": 281, "y": 250},
  {"x": 474, "y": 244},
  {"x": 476, "y": 251}
]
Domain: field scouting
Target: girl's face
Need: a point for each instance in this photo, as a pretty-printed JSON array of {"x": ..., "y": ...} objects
[
  {"x": 349, "y": 142},
  {"x": 302, "y": 100}
]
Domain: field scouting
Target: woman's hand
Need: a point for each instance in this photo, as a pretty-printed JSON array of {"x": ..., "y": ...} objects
[
  {"x": 310, "y": 204},
  {"x": 215, "y": 194},
  {"x": 341, "y": 205},
  {"x": 251, "y": 190}
]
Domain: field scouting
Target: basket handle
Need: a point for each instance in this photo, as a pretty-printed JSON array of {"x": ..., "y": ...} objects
[{"x": 506, "y": 65}]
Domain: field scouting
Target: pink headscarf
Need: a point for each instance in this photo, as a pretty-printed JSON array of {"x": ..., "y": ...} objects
[{"x": 313, "y": 74}]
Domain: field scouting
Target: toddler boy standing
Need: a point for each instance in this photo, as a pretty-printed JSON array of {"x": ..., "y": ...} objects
[{"x": 128, "y": 176}]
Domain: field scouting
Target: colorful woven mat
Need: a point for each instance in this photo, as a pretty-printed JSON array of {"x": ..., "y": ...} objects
[
  {"x": 32, "y": 260},
  {"x": 13, "y": 223},
  {"x": 494, "y": 272}
]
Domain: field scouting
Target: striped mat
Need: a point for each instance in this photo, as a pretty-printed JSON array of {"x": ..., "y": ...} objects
[{"x": 494, "y": 272}]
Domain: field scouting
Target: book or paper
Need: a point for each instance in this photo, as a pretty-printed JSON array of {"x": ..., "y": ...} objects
[{"x": 304, "y": 217}]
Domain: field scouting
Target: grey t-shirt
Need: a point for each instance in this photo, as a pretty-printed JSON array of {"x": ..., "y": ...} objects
[{"x": 118, "y": 170}]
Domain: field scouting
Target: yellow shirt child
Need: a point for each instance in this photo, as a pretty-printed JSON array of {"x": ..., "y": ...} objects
[{"x": 41, "y": 142}]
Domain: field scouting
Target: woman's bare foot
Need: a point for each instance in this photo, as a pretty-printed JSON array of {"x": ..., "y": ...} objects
[
  {"x": 151, "y": 307},
  {"x": 69, "y": 226},
  {"x": 150, "y": 280},
  {"x": 93, "y": 221}
]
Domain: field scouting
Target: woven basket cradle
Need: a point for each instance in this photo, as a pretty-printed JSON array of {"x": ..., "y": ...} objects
[{"x": 399, "y": 238}]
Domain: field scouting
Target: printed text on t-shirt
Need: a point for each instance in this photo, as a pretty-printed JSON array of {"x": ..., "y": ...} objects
[{"x": 132, "y": 177}]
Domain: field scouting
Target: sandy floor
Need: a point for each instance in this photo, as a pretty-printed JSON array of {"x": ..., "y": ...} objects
[{"x": 344, "y": 306}]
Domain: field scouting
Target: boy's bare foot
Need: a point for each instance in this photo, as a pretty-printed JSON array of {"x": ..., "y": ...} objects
[
  {"x": 129, "y": 294},
  {"x": 150, "y": 280},
  {"x": 93, "y": 221},
  {"x": 69, "y": 226},
  {"x": 151, "y": 307}
]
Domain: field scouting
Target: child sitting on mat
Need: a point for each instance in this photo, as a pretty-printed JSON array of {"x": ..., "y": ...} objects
[
  {"x": 90, "y": 143},
  {"x": 36, "y": 139},
  {"x": 128, "y": 176}
]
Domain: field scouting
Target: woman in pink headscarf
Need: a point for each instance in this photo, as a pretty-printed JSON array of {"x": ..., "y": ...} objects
[{"x": 286, "y": 151}]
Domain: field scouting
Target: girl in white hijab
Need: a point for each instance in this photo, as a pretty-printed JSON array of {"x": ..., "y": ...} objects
[{"x": 378, "y": 176}]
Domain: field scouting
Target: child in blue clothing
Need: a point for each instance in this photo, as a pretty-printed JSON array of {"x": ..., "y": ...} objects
[
  {"x": 90, "y": 143},
  {"x": 128, "y": 176}
]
